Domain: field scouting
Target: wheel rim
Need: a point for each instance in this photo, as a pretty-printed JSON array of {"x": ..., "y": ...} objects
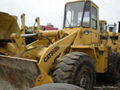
[{"x": 84, "y": 80}]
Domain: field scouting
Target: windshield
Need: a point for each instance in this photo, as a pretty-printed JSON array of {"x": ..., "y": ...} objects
[{"x": 73, "y": 14}]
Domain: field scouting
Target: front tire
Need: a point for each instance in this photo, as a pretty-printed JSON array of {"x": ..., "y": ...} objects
[
  {"x": 76, "y": 68},
  {"x": 57, "y": 86}
]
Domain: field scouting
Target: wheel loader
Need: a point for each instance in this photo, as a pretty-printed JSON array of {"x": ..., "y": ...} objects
[
  {"x": 110, "y": 35},
  {"x": 109, "y": 32},
  {"x": 74, "y": 55}
]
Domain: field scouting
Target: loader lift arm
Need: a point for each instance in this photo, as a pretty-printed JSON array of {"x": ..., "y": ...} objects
[{"x": 50, "y": 55}]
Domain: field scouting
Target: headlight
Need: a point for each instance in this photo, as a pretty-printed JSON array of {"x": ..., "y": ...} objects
[{"x": 86, "y": 32}]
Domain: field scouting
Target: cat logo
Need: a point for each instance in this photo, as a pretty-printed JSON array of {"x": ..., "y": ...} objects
[{"x": 52, "y": 52}]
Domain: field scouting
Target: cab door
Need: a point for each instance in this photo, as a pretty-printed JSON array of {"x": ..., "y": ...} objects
[
  {"x": 90, "y": 22},
  {"x": 94, "y": 24}
]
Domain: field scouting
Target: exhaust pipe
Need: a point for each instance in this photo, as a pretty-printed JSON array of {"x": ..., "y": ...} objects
[{"x": 119, "y": 27}]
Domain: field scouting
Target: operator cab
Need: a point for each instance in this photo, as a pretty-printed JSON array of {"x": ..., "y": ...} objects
[
  {"x": 112, "y": 27},
  {"x": 103, "y": 26},
  {"x": 82, "y": 13}
]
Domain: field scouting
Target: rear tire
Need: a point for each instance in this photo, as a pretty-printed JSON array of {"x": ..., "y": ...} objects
[
  {"x": 113, "y": 73},
  {"x": 76, "y": 68}
]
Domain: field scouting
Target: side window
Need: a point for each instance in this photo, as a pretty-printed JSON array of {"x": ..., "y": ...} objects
[
  {"x": 86, "y": 17},
  {"x": 101, "y": 28},
  {"x": 94, "y": 18}
]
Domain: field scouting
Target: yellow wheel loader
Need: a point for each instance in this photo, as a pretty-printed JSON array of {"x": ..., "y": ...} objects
[
  {"x": 109, "y": 32},
  {"x": 74, "y": 55},
  {"x": 110, "y": 35}
]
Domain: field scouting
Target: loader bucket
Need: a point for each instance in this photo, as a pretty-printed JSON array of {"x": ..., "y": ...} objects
[
  {"x": 17, "y": 73},
  {"x": 8, "y": 25}
]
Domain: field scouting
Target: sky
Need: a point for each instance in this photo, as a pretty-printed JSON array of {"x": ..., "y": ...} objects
[{"x": 52, "y": 11}]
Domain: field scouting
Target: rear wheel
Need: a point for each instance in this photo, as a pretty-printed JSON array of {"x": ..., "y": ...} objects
[
  {"x": 76, "y": 68},
  {"x": 113, "y": 73}
]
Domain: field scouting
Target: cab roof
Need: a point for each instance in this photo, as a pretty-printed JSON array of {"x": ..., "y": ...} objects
[{"x": 72, "y": 1}]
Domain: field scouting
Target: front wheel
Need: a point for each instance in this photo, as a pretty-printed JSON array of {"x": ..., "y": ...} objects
[
  {"x": 57, "y": 86},
  {"x": 76, "y": 68}
]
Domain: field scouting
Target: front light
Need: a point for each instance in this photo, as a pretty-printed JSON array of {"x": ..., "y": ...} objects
[{"x": 86, "y": 32}]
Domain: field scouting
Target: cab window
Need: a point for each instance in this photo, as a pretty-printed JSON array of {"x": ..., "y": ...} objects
[
  {"x": 86, "y": 16},
  {"x": 94, "y": 18},
  {"x": 101, "y": 27},
  {"x": 73, "y": 14}
]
